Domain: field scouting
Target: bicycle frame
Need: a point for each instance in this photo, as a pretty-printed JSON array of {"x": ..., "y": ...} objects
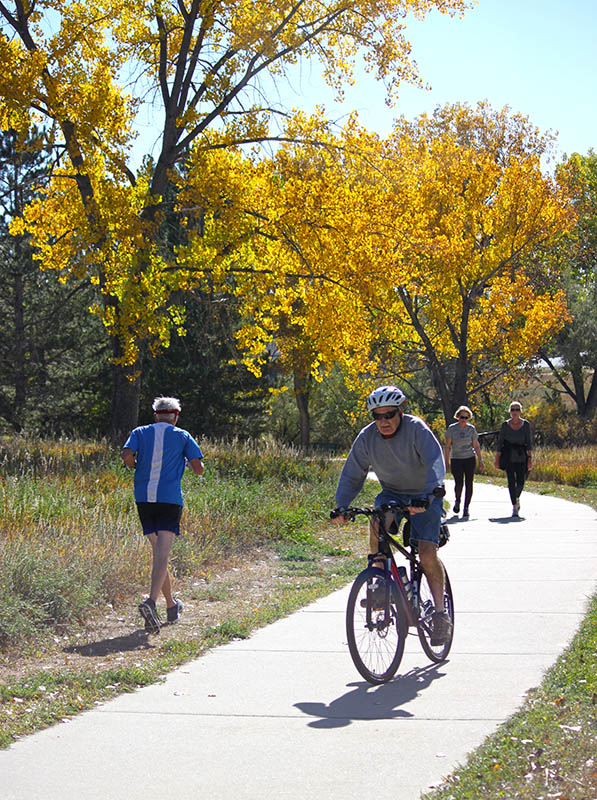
[
  {"x": 377, "y": 628},
  {"x": 391, "y": 568}
]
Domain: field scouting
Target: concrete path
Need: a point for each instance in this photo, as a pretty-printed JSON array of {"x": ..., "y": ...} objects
[{"x": 284, "y": 714}]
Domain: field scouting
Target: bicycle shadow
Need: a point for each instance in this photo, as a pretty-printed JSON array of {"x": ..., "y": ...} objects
[
  {"x": 367, "y": 702},
  {"x": 137, "y": 640}
]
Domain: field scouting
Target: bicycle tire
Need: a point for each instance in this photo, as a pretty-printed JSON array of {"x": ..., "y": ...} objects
[
  {"x": 376, "y": 652},
  {"x": 436, "y": 653}
]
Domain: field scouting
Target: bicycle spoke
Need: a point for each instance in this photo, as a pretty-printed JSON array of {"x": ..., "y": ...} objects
[
  {"x": 376, "y": 642},
  {"x": 436, "y": 653}
]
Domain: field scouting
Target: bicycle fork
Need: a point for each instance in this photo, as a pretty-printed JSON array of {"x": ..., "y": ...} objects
[{"x": 392, "y": 582}]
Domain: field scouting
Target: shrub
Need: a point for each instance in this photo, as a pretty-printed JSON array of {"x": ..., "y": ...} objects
[
  {"x": 553, "y": 424},
  {"x": 38, "y": 589}
]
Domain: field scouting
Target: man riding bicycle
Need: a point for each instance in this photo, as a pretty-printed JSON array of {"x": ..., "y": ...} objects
[{"x": 409, "y": 464}]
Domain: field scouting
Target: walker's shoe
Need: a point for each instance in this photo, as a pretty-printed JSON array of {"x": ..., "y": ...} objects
[
  {"x": 456, "y": 508},
  {"x": 150, "y": 615},
  {"x": 442, "y": 627},
  {"x": 465, "y": 513},
  {"x": 174, "y": 611},
  {"x": 515, "y": 511},
  {"x": 376, "y": 595}
]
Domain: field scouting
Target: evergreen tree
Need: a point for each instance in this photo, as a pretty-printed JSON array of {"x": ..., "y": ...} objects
[
  {"x": 53, "y": 362},
  {"x": 220, "y": 397}
]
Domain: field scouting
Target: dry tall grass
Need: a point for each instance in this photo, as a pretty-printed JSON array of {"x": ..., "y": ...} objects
[
  {"x": 71, "y": 538},
  {"x": 572, "y": 466}
]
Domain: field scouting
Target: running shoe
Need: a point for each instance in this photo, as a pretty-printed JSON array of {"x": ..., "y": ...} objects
[
  {"x": 174, "y": 611},
  {"x": 148, "y": 611},
  {"x": 456, "y": 508}
]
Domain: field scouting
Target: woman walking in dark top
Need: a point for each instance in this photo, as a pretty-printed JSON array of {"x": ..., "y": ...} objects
[{"x": 514, "y": 453}]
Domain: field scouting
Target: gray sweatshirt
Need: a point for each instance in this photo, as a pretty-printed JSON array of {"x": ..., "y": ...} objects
[{"x": 410, "y": 463}]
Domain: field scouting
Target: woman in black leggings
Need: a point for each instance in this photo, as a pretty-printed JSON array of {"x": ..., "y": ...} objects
[
  {"x": 462, "y": 452},
  {"x": 514, "y": 453}
]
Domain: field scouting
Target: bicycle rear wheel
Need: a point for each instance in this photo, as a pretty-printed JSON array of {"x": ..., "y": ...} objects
[
  {"x": 440, "y": 652},
  {"x": 376, "y": 643}
]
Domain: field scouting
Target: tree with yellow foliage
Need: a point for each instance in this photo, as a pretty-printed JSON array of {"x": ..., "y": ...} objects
[
  {"x": 416, "y": 252},
  {"x": 463, "y": 265},
  {"x": 297, "y": 297},
  {"x": 83, "y": 70}
]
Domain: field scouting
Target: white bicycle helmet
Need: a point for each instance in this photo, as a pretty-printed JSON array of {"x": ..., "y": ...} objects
[{"x": 385, "y": 396}]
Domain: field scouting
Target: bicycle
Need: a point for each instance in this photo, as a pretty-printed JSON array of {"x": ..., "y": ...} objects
[{"x": 378, "y": 620}]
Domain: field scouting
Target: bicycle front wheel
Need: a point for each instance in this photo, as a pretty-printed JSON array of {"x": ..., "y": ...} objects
[
  {"x": 375, "y": 638},
  {"x": 440, "y": 652}
]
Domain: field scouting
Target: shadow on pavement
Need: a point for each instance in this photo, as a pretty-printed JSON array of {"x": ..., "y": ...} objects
[
  {"x": 138, "y": 640},
  {"x": 506, "y": 520},
  {"x": 367, "y": 702}
]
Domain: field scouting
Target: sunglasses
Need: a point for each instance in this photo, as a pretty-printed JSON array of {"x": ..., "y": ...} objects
[
  {"x": 387, "y": 415},
  {"x": 463, "y": 416}
]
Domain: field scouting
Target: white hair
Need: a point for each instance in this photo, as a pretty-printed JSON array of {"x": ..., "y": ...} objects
[{"x": 166, "y": 404}]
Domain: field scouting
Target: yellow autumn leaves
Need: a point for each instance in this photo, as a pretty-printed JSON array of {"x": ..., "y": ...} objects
[
  {"x": 388, "y": 254},
  {"x": 341, "y": 247}
]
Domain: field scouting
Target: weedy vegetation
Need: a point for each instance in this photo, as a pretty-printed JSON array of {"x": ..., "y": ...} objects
[
  {"x": 70, "y": 546},
  {"x": 548, "y": 749},
  {"x": 70, "y": 534}
]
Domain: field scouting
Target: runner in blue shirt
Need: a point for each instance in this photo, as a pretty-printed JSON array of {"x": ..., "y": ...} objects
[{"x": 159, "y": 453}]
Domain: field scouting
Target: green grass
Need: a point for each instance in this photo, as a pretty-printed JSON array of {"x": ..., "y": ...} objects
[{"x": 548, "y": 749}]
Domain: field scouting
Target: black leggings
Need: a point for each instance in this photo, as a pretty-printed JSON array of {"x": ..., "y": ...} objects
[
  {"x": 516, "y": 476},
  {"x": 463, "y": 470}
]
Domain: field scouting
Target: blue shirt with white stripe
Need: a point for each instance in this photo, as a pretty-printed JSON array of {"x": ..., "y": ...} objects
[{"x": 162, "y": 451}]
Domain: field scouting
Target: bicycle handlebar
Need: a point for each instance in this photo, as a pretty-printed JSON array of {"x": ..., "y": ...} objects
[{"x": 352, "y": 511}]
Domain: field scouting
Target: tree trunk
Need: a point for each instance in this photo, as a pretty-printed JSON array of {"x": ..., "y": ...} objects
[
  {"x": 591, "y": 404},
  {"x": 433, "y": 365},
  {"x": 585, "y": 404},
  {"x": 302, "y": 388},
  {"x": 126, "y": 390},
  {"x": 578, "y": 379},
  {"x": 20, "y": 382},
  {"x": 460, "y": 341}
]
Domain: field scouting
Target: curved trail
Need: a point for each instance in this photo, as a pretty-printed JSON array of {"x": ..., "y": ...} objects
[{"x": 284, "y": 714}]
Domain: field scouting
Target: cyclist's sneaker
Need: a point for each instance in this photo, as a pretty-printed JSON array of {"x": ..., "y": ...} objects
[
  {"x": 148, "y": 611},
  {"x": 175, "y": 611},
  {"x": 465, "y": 512},
  {"x": 377, "y": 595},
  {"x": 456, "y": 508},
  {"x": 442, "y": 627}
]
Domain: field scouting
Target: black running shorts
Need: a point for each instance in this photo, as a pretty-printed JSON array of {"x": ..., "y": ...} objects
[{"x": 159, "y": 517}]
